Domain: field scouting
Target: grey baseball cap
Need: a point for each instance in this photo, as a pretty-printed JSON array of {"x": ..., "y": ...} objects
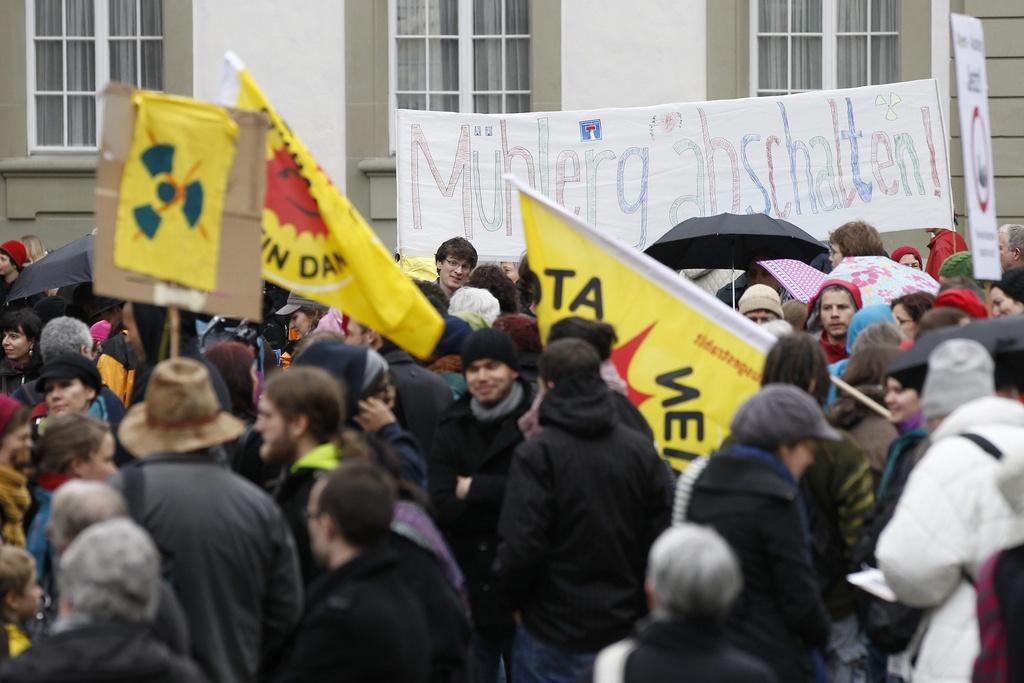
[
  {"x": 780, "y": 414},
  {"x": 295, "y": 302}
]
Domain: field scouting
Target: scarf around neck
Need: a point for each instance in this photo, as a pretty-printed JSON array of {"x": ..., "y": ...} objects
[
  {"x": 14, "y": 501},
  {"x": 501, "y": 409}
]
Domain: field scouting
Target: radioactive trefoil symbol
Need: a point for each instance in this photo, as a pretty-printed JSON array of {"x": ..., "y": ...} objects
[
  {"x": 159, "y": 162},
  {"x": 890, "y": 105}
]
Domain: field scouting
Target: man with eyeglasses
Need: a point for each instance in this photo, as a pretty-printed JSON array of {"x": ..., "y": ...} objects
[{"x": 456, "y": 259}]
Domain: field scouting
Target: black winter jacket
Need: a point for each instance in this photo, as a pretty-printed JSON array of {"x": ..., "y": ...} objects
[
  {"x": 586, "y": 498},
  {"x": 100, "y": 652},
  {"x": 666, "y": 649},
  {"x": 466, "y": 447},
  {"x": 228, "y": 550},
  {"x": 361, "y": 624},
  {"x": 780, "y": 614},
  {"x": 293, "y": 496}
]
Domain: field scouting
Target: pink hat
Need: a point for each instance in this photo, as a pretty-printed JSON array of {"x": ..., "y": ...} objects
[{"x": 100, "y": 331}]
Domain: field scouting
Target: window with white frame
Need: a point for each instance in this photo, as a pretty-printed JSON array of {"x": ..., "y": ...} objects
[
  {"x": 460, "y": 55},
  {"x": 800, "y": 45},
  {"x": 76, "y": 48}
]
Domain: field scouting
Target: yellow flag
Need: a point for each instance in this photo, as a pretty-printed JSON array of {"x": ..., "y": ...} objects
[
  {"x": 172, "y": 190},
  {"x": 316, "y": 244},
  {"x": 688, "y": 361}
]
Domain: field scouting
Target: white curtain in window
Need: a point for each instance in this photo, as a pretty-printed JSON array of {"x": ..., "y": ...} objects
[
  {"x": 80, "y": 18},
  {"x": 806, "y": 63},
  {"x": 49, "y": 120},
  {"x": 772, "y": 51},
  {"x": 852, "y": 16},
  {"x": 885, "y": 59},
  {"x": 122, "y": 61},
  {"x": 49, "y": 21},
  {"x": 885, "y": 15},
  {"x": 806, "y": 16},
  {"x": 487, "y": 17},
  {"x": 851, "y": 61},
  {"x": 152, "y": 77}
]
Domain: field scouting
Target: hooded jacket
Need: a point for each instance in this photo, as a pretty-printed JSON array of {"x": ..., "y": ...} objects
[
  {"x": 348, "y": 364},
  {"x": 293, "y": 496},
  {"x": 780, "y": 614},
  {"x": 151, "y": 321},
  {"x": 951, "y": 518},
  {"x": 944, "y": 244},
  {"x": 585, "y": 500}
]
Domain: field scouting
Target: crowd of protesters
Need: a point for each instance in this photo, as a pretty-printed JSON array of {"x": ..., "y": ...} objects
[{"x": 302, "y": 500}]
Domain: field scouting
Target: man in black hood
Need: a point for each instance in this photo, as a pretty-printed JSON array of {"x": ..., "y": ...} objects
[
  {"x": 585, "y": 499},
  {"x": 149, "y": 336}
]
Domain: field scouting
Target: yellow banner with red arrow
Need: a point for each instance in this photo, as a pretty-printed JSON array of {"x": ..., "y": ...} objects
[{"x": 689, "y": 362}]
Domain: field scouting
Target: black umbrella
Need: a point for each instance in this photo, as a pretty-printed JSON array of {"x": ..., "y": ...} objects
[
  {"x": 731, "y": 240},
  {"x": 1001, "y": 337},
  {"x": 67, "y": 265}
]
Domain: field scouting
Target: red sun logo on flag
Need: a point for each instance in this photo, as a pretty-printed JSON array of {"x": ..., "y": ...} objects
[
  {"x": 288, "y": 195},
  {"x": 622, "y": 358}
]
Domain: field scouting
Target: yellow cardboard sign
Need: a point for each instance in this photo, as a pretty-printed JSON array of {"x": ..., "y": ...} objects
[
  {"x": 689, "y": 361},
  {"x": 172, "y": 190}
]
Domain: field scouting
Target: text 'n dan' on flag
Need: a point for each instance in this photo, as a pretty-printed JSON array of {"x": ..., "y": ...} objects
[
  {"x": 689, "y": 362},
  {"x": 316, "y": 243}
]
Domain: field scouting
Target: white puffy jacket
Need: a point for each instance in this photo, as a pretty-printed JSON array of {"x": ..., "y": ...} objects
[{"x": 949, "y": 520}]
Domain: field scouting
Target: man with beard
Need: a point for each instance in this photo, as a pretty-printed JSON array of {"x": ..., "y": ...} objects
[{"x": 299, "y": 414}]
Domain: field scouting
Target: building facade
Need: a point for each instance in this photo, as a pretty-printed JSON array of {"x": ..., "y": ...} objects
[{"x": 337, "y": 70}]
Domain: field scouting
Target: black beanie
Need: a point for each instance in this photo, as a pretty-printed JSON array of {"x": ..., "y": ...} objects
[
  {"x": 1013, "y": 283},
  {"x": 490, "y": 343}
]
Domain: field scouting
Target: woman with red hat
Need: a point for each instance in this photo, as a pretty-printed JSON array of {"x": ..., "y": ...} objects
[
  {"x": 907, "y": 256},
  {"x": 13, "y": 257}
]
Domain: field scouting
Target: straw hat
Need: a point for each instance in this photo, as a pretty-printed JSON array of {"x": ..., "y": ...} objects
[{"x": 180, "y": 414}]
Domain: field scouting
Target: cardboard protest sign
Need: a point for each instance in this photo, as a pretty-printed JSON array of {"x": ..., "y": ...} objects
[
  {"x": 976, "y": 144},
  {"x": 172, "y": 190},
  {"x": 237, "y": 287},
  {"x": 689, "y": 361},
  {"x": 816, "y": 159}
]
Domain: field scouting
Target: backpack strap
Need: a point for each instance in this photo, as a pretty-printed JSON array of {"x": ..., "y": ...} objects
[
  {"x": 610, "y": 665},
  {"x": 984, "y": 444},
  {"x": 684, "y": 489}
]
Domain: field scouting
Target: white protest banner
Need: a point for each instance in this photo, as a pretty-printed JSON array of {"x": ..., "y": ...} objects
[
  {"x": 816, "y": 159},
  {"x": 976, "y": 144}
]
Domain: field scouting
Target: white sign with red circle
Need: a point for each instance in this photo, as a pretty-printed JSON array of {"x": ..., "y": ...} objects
[{"x": 976, "y": 144}]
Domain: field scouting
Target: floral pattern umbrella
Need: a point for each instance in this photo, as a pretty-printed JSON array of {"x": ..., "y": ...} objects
[{"x": 880, "y": 279}]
